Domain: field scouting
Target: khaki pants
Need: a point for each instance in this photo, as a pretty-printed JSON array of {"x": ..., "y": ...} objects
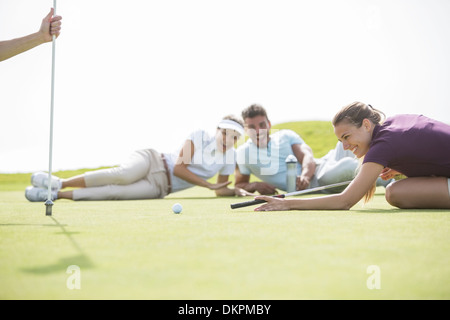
[{"x": 143, "y": 176}]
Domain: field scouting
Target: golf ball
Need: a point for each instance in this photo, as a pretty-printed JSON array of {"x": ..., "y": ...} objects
[{"x": 176, "y": 208}]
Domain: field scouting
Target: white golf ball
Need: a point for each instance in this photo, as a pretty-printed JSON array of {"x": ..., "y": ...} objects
[{"x": 176, "y": 208}]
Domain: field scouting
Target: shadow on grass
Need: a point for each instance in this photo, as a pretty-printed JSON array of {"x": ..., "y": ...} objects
[
  {"x": 80, "y": 259},
  {"x": 363, "y": 211},
  {"x": 29, "y": 225},
  {"x": 400, "y": 211},
  {"x": 194, "y": 198}
]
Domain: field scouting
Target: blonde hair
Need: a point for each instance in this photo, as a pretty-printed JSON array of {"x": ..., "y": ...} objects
[{"x": 354, "y": 114}]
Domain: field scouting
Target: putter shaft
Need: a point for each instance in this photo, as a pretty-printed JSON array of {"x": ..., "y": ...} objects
[{"x": 295, "y": 193}]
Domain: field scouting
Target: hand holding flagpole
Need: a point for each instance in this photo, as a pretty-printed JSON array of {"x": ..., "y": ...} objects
[{"x": 49, "y": 202}]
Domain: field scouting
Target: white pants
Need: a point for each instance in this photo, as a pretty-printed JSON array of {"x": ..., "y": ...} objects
[
  {"x": 143, "y": 176},
  {"x": 338, "y": 165},
  {"x": 448, "y": 183}
]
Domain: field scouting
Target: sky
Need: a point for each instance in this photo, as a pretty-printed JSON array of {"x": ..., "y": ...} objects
[{"x": 144, "y": 74}]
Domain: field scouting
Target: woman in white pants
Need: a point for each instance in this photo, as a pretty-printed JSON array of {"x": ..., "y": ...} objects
[{"x": 149, "y": 174}]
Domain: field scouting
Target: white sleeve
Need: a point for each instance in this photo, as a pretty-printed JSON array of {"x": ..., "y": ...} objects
[{"x": 230, "y": 163}]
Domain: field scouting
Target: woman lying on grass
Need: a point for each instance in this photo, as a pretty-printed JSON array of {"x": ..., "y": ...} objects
[
  {"x": 415, "y": 146},
  {"x": 149, "y": 174}
]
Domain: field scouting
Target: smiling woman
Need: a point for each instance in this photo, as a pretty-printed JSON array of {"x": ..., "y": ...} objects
[
  {"x": 352, "y": 118},
  {"x": 413, "y": 145}
]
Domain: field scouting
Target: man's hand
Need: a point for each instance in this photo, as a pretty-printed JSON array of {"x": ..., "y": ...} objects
[
  {"x": 263, "y": 188},
  {"x": 302, "y": 182},
  {"x": 243, "y": 193}
]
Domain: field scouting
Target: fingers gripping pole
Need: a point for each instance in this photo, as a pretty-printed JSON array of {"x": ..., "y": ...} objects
[{"x": 49, "y": 202}]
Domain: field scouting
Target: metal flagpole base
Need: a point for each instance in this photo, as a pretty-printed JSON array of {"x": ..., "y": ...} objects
[{"x": 48, "y": 207}]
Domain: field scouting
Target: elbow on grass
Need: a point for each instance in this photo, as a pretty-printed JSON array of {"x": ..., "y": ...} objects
[
  {"x": 344, "y": 205},
  {"x": 345, "y": 201},
  {"x": 347, "y": 206}
]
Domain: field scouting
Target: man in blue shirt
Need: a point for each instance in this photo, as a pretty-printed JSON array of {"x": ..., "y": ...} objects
[{"x": 264, "y": 155}]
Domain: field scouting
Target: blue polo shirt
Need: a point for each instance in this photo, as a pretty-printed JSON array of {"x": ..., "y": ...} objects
[{"x": 268, "y": 164}]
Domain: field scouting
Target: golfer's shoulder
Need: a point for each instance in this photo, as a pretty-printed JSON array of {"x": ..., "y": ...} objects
[{"x": 286, "y": 135}]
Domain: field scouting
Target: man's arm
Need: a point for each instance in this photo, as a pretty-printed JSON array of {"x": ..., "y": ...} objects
[
  {"x": 304, "y": 155},
  {"x": 49, "y": 27},
  {"x": 243, "y": 182}
]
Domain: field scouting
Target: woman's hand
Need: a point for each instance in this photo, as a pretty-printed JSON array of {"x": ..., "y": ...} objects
[
  {"x": 273, "y": 204},
  {"x": 218, "y": 185},
  {"x": 388, "y": 173},
  {"x": 242, "y": 192}
]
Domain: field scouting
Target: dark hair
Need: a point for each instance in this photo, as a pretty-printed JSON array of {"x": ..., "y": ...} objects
[
  {"x": 253, "y": 111},
  {"x": 356, "y": 112}
]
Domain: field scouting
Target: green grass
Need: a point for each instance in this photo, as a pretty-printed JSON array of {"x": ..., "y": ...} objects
[
  {"x": 141, "y": 250},
  {"x": 18, "y": 181},
  {"x": 319, "y": 135}
]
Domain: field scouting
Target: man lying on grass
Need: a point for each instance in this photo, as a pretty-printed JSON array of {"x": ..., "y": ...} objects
[{"x": 264, "y": 155}]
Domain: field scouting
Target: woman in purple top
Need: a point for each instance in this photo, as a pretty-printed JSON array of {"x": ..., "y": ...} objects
[{"x": 413, "y": 145}]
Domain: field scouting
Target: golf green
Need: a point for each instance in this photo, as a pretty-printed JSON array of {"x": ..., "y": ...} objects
[{"x": 141, "y": 250}]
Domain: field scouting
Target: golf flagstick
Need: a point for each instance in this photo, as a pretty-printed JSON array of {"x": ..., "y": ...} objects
[
  {"x": 49, "y": 202},
  {"x": 295, "y": 193}
]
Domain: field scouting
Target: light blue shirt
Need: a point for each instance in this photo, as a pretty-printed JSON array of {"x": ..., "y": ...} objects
[{"x": 268, "y": 164}]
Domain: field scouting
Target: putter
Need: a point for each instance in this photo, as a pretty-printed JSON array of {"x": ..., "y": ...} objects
[
  {"x": 295, "y": 193},
  {"x": 49, "y": 202}
]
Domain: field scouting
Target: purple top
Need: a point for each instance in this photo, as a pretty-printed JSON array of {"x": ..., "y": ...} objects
[{"x": 413, "y": 145}]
